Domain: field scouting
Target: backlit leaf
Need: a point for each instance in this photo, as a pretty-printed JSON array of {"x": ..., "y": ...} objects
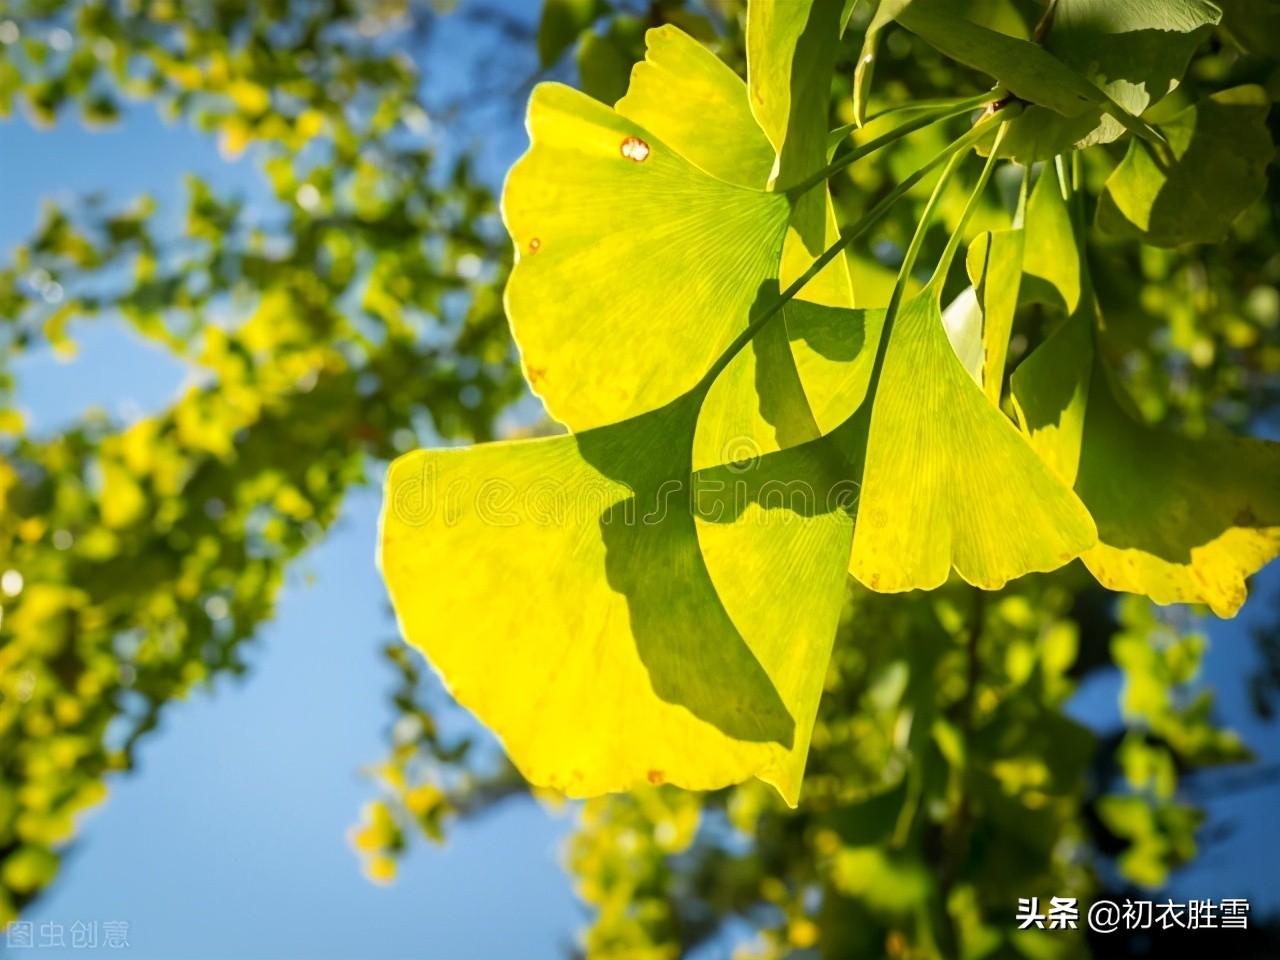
[
  {"x": 635, "y": 268},
  {"x": 949, "y": 483},
  {"x": 673, "y": 92},
  {"x": 764, "y": 402},
  {"x": 1051, "y": 260},
  {"x": 559, "y": 587},
  {"x": 1135, "y": 51}
]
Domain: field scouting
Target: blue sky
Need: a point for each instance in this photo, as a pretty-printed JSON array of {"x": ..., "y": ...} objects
[{"x": 229, "y": 841}]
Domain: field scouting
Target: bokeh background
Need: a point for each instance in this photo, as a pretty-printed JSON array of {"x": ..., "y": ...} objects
[{"x": 323, "y": 201}]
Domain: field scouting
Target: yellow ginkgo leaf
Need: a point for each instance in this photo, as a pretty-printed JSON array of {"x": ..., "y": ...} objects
[
  {"x": 559, "y": 587},
  {"x": 628, "y": 255},
  {"x": 674, "y": 91},
  {"x": 949, "y": 482},
  {"x": 1180, "y": 520}
]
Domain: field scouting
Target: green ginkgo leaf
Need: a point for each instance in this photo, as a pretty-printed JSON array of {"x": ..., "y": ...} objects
[
  {"x": 1136, "y": 52},
  {"x": 1027, "y": 69},
  {"x": 614, "y": 660},
  {"x": 1215, "y": 166},
  {"x": 1051, "y": 395},
  {"x": 949, "y": 482},
  {"x": 635, "y": 267},
  {"x": 1179, "y": 520},
  {"x": 791, "y": 50}
]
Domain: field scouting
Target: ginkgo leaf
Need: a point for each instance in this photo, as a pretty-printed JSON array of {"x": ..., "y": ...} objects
[
  {"x": 609, "y": 658},
  {"x": 1214, "y": 168},
  {"x": 791, "y": 50},
  {"x": 1051, "y": 395},
  {"x": 995, "y": 269},
  {"x": 629, "y": 255},
  {"x": 1027, "y": 69},
  {"x": 677, "y": 88},
  {"x": 833, "y": 349},
  {"x": 949, "y": 482},
  {"x": 1135, "y": 52},
  {"x": 1180, "y": 520}
]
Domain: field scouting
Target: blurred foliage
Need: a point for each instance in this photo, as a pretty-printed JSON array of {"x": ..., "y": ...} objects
[
  {"x": 354, "y": 315},
  {"x": 362, "y": 316}
]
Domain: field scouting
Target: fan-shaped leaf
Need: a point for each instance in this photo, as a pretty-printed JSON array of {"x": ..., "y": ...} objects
[
  {"x": 628, "y": 255},
  {"x": 559, "y": 587},
  {"x": 690, "y": 100},
  {"x": 766, "y": 401},
  {"x": 1136, "y": 51},
  {"x": 948, "y": 481}
]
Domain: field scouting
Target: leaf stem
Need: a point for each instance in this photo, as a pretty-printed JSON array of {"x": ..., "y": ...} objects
[
  {"x": 917, "y": 241},
  {"x": 953, "y": 243},
  {"x": 953, "y": 109}
]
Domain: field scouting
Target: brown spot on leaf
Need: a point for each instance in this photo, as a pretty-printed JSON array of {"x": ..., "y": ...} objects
[{"x": 535, "y": 245}]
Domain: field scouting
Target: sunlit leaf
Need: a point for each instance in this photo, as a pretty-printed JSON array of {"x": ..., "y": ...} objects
[
  {"x": 1136, "y": 51},
  {"x": 673, "y": 92},
  {"x": 949, "y": 483},
  {"x": 559, "y": 587},
  {"x": 1051, "y": 259},
  {"x": 963, "y": 321},
  {"x": 864, "y": 73},
  {"x": 1215, "y": 167},
  {"x": 635, "y": 268}
]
